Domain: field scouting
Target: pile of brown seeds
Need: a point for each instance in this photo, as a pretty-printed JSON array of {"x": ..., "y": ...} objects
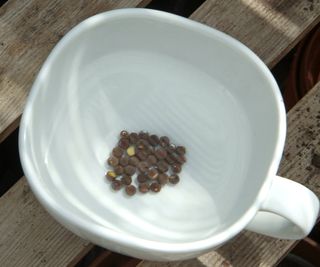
[{"x": 151, "y": 160}]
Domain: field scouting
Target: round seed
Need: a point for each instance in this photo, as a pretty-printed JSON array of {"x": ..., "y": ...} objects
[
  {"x": 162, "y": 166},
  {"x": 118, "y": 170},
  {"x": 152, "y": 173},
  {"x": 176, "y": 168},
  {"x": 143, "y": 135},
  {"x": 117, "y": 152},
  {"x": 181, "y": 150},
  {"x": 161, "y": 153},
  {"x": 124, "y": 143},
  {"x": 133, "y": 137},
  {"x": 174, "y": 179},
  {"x": 163, "y": 178},
  {"x": 126, "y": 179},
  {"x": 174, "y": 158},
  {"x": 113, "y": 161},
  {"x": 164, "y": 141},
  {"x": 142, "y": 144},
  {"x": 152, "y": 160},
  {"x": 149, "y": 149},
  {"x": 130, "y": 170},
  {"x": 133, "y": 161},
  {"x": 155, "y": 187},
  {"x": 181, "y": 159},
  {"x": 143, "y": 188},
  {"x": 131, "y": 151},
  {"x": 124, "y": 133},
  {"x": 116, "y": 185},
  {"x": 111, "y": 175},
  {"x": 131, "y": 190},
  {"x": 124, "y": 161},
  {"x": 142, "y": 155},
  {"x": 169, "y": 159},
  {"x": 171, "y": 148},
  {"x": 143, "y": 166},
  {"x": 154, "y": 140},
  {"x": 142, "y": 178}
]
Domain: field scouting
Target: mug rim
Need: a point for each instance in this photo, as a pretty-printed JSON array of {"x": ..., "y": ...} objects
[{"x": 96, "y": 231}]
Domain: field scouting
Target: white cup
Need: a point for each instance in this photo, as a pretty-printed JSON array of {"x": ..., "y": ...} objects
[{"x": 140, "y": 69}]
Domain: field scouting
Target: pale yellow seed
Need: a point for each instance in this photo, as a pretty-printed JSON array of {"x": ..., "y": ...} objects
[
  {"x": 131, "y": 151},
  {"x": 111, "y": 174}
]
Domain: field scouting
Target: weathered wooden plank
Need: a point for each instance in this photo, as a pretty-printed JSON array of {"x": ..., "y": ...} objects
[
  {"x": 302, "y": 146},
  {"x": 28, "y": 31},
  {"x": 271, "y": 28},
  {"x": 26, "y": 37},
  {"x": 30, "y": 236}
]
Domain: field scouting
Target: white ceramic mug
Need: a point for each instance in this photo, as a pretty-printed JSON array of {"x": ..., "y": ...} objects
[{"x": 140, "y": 69}]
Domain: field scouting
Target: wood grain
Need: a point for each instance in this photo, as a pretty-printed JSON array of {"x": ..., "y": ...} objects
[
  {"x": 28, "y": 31},
  {"x": 271, "y": 28},
  {"x": 29, "y": 236},
  {"x": 302, "y": 143}
]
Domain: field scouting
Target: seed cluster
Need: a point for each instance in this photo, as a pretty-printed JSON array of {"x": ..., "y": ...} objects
[{"x": 153, "y": 161}]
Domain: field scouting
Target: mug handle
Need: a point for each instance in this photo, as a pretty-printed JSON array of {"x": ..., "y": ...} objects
[{"x": 289, "y": 211}]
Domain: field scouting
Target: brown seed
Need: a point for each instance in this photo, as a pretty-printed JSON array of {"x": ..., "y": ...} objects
[
  {"x": 149, "y": 149},
  {"x": 162, "y": 166},
  {"x": 131, "y": 151},
  {"x": 178, "y": 158},
  {"x": 169, "y": 159},
  {"x": 142, "y": 178},
  {"x": 152, "y": 160},
  {"x": 181, "y": 159},
  {"x": 126, "y": 179},
  {"x": 133, "y": 161},
  {"x": 143, "y": 166},
  {"x": 116, "y": 185},
  {"x": 142, "y": 144},
  {"x": 124, "y": 161},
  {"x": 171, "y": 148},
  {"x": 154, "y": 140},
  {"x": 152, "y": 173},
  {"x": 181, "y": 150},
  {"x": 133, "y": 137},
  {"x": 117, "y": 152},
  {"x": 155, "y": 187},
  {"x": 164, "y": 141},
  {"x": 124, "y": 133},
  {"x": 124, "y": 143},
  {"x": 161, "y": 153},
  {"x": 176, "y": 167},
  {"x": 174, "y": 179},
  {"x": 131, "y": 190},
  {"x": 142, "y": 155},
  {"x": 111, "y": 175},
  {"x": 113, "y": 161},
  {"x": 118, "y": 170},
  {"x": 163, "y": 178},
  {"x": 143, "y": 135},
  {"x": 143, "y": 188},
  {"x": 130, "y": 170}
]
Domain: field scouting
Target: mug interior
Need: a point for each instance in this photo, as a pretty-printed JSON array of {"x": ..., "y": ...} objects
[{"x": 144, "y": 72}]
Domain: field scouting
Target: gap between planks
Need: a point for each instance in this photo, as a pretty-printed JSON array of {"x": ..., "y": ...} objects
[
  {"x": 269, "y": 28},
  {"x": 214, "y": 13}
]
